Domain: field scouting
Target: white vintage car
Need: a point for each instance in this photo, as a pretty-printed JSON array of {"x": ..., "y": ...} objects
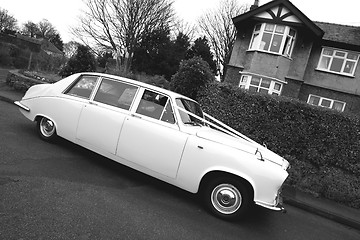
[{"x": 160, "y": 133}]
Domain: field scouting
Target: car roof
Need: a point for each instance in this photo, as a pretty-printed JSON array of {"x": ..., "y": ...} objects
[{"x": 140, "y": 84}]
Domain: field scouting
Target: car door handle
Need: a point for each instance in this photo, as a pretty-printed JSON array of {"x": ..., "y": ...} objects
[
  {"x": 137, "y": 116},
  {"x": 92, "y": 103}
]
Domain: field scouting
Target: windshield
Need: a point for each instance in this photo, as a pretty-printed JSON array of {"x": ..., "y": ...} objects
[{"x": 192, "y": 107}]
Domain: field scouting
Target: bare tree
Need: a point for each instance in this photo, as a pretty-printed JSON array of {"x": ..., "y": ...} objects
[
  {"x": 185, "y": 28},
  {"x": 7, "y": 21},
  {"x": 46, "y": 29},
  {"x": 120, "y": 24},
  {"x": 219, "y": 29},
  {"x": 30, "y": 29}
]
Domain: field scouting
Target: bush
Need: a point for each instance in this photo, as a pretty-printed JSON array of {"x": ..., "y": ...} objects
[
  {"x": 5, "y": 59},
  {"x": 193, "y": 74},
  {"x": 49, "y": 63},
  {"x": 81, "y": 61},
  {"x": 156, "y": 80},
  {"x": 14, "y": 56},
  {"x": 322, "y": 145}
]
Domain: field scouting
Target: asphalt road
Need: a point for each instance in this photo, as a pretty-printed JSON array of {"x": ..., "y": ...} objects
[{"x": 62, "y": 191}]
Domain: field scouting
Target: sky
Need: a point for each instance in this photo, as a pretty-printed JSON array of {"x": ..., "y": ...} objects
[{"x": 64, "y": 14}]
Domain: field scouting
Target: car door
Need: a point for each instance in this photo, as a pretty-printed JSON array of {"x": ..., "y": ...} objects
[
  {"x": 67, "y": 108},
  {"x": 101, "y": 119},
  {"x": 150, "y": 136}
]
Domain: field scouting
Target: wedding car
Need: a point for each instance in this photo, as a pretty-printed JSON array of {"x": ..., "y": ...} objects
[{"x": 160, "y": 133}]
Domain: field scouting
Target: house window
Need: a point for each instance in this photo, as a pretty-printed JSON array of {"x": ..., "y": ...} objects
[
  {"x": 278, "y": 39},
  {"x": 259, "y": 84},
  {"x": 326, "y": 102},
  {"x": 338, "y": 61}
]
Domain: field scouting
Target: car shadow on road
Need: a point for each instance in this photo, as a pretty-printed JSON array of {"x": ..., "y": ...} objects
[
  {"x": 116, "y": 171},
  {"x": 116, "y": 174}
]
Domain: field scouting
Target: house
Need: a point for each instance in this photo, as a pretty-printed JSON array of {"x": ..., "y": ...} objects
[
  {"x": 19, "y": 40},
  {"x": 280, "y": 51},
  {"x": 36, "y": 51},
  {"x": 45, "y": 45}
]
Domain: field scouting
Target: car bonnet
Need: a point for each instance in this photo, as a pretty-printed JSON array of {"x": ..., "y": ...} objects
[{"x": 243, "y": 144}]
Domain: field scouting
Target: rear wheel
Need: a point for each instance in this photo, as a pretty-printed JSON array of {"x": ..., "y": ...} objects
[
  {"x": 226, "y": 198},
  {"x": 46, "y": 129}
]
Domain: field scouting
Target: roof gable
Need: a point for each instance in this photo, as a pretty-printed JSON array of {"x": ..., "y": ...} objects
[{"x": 281, "y": 12}]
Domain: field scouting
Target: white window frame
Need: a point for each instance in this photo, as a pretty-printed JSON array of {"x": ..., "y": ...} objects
[
  {"x": 245, "y": 83},
  {"x": 288, "y": 37},
  {"x": 323, "y": 99},
  {"x": 330, "y": 55}
]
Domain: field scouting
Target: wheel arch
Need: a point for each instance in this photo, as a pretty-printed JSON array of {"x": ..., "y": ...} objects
[
  {"x": 40, "y": 116},
  {"x": 218, "y": 174}
]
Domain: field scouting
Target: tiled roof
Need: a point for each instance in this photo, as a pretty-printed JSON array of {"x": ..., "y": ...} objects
[
  {"x": 340, "y": 33},
  {"x": 29, "y": 39},
  {"x": 48, "y": 46},
  {"x": 45, "y": 44}
]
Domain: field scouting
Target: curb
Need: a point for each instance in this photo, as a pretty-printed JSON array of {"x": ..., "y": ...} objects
[
  {"x": 323, "y": 213},
  {"x": 5, "y": 99}
]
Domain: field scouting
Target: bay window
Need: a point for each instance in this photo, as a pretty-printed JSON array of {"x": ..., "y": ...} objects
[{"x": 273, "y": 38}]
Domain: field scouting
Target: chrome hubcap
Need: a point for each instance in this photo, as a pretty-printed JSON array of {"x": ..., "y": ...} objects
[
  {"x": 226, "y": 198},
  {"x": 47, "y": 127}
]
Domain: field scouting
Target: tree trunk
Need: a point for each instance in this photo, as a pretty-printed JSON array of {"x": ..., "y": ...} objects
[{"x": 30, "y": 59}]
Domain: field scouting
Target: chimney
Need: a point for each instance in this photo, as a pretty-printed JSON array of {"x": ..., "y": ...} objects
[{"x": 255, "y": 5}]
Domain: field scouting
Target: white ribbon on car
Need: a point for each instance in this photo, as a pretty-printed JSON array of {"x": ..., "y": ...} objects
[{"x": 219, "y": 125}]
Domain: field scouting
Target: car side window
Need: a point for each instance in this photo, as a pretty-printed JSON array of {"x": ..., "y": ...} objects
[
  {"x": 83, "y": 87},
  {"x": 157, "y": 106},
  {"x": 116, "y": 93}
]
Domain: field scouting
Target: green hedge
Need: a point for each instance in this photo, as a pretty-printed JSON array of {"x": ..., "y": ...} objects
[{"x": 323, "y": 146}]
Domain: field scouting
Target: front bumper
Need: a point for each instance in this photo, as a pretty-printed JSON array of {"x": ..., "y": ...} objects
[
  {"x": 22, "y": 106},
  {"x": 278, "y": 206}
]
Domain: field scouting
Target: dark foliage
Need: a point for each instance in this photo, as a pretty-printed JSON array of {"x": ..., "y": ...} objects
[
  {"x": 322, "y": 145},
  {"x": 151, "y": 55},
  {"x": 81, "y": 61},
  {"x": 201, "y": 49},
  {"x": 57, "y": 41},
  {"x": 193, "y": 75},
  {"x": 102, "y": 59},
  {"x": 158, "y": 55}
]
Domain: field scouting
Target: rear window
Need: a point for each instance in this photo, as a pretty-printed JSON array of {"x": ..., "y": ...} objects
[{"x": 83, "y": 87}]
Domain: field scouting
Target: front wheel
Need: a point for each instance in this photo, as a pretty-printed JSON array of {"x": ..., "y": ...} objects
[
  {"x": 46, "y": 129},
  {"x": 226, "y": 198}
]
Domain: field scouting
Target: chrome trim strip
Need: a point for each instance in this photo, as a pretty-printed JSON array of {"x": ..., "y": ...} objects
[
  {"x": 278, "y": 205},
  {"x": 22, "y": 106}
]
